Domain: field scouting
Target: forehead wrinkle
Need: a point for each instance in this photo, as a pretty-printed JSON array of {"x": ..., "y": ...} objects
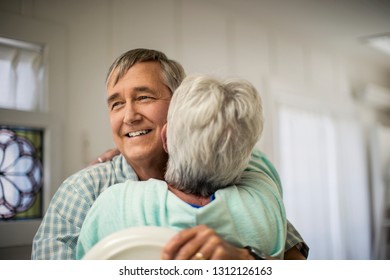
[
  {"x": 112, "y": 97},
  {"x": 135, "y": 90},
  {"x": 143, "y": 89}
]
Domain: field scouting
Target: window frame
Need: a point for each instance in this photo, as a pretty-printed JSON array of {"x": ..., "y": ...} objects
[{"x": 50, "y": 117}]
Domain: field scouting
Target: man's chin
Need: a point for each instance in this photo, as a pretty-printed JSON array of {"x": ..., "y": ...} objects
[{"x": 134, "y": 155}]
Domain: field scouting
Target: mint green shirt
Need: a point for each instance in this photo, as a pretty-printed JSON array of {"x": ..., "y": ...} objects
[{"x": 248, "y": 214}]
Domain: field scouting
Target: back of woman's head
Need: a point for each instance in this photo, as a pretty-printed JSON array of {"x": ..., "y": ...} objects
[{"x": 213, "y": 126}]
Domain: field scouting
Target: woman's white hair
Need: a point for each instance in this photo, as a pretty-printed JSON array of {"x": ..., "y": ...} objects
[{"x": 213, "y": 125}]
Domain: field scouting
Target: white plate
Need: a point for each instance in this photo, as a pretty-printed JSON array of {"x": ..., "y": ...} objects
[{"x": 137, "y": 243}]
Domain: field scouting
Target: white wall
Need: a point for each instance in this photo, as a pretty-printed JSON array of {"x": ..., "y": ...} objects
[{"x": 205, "y": 37}]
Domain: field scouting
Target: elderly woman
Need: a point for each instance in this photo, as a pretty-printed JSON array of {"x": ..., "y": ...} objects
[
  {"x": 140, "y": 84},
  {"x": 213, "y": 127}
]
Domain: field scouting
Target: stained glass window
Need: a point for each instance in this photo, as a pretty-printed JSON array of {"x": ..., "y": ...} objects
[{"x": 21, "y": 173}]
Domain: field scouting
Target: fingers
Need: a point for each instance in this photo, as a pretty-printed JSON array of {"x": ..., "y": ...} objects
[
  {"x": 180, "y": 242},
  {"x": 106, "y": 156},
  {"x": 202, "y": 243},
  {"x": 210, "y": 248},
  {"x": 95, "y": 161},
  {"x": 195, "y": 243}
]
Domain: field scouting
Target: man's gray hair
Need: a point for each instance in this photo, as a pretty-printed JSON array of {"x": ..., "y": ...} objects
[
  {"x": 213, "y": 125},
  {"x": 172, "y": 71}
]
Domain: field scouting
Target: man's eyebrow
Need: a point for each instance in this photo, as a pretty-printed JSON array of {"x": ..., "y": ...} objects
[
  {"x": 144, "y": 89},
  {"x": 112, "y": 97}
]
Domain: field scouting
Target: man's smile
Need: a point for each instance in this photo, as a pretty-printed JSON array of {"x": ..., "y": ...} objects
[{"x": 138, "y": 133}]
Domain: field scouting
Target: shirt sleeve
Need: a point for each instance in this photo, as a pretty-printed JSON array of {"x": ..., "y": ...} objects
[
  {"x": 57, "y": 235},
  {"x": 56, "y": 238},
  {"x": 259, "y": 162},
  {"x": 295, "y": 239}
]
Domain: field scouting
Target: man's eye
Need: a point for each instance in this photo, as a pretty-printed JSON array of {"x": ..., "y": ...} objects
[
  {"x": 115, "y": 104},
  {"x": 144, "y": 97}
]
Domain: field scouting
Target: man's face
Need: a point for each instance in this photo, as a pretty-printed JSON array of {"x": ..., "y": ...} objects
[{"x": 138, "y": 107}]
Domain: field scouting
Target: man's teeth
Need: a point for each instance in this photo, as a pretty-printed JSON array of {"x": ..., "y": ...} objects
[{"x": 138, "y": 133}]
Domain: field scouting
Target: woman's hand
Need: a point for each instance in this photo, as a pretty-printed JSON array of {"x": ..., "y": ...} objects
[
  {"x": 202, "y": 243},
  {"x": 106, "y": 156}
]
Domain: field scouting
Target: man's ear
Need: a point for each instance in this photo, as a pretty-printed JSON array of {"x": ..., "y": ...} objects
[{"x": 164, "y": 137}]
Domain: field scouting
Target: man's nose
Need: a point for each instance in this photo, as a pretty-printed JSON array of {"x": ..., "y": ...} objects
[{"x": 131, "y": 114}]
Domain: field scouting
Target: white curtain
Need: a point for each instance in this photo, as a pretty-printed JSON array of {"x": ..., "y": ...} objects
[
  {"x": 8, "y": 78},
  {"x": 324, "y": 175},
  {"x": 21, "y": 73}
]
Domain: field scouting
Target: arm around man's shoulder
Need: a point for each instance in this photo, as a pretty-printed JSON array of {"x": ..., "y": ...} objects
[{"x": 260, "y": 164}]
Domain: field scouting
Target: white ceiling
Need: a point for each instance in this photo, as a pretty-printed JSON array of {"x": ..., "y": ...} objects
[{"x": 341, "y": 24}]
